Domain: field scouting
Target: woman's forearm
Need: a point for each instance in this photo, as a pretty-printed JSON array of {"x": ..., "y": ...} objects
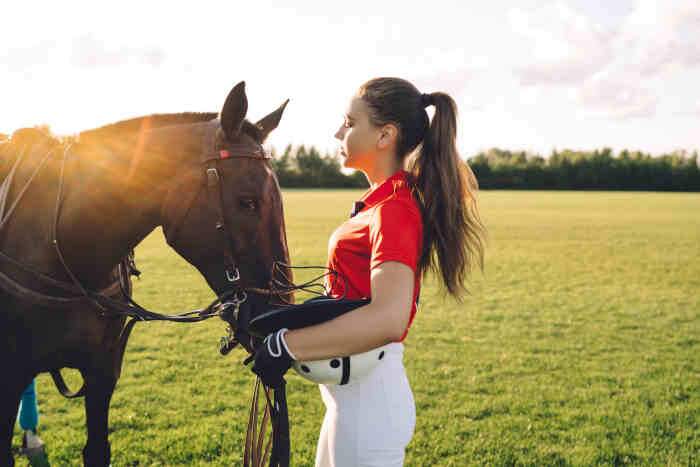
[{"x": 358, "y": 331}]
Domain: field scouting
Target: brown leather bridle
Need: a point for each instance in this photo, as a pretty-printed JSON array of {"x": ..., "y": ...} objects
[{"x": 211, "y": 161}]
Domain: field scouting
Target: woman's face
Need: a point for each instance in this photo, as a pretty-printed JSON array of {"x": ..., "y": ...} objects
[{"x": 358, "y": 137}]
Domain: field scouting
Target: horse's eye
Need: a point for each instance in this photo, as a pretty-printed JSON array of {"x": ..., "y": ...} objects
[{"x": 248, "y": 204}]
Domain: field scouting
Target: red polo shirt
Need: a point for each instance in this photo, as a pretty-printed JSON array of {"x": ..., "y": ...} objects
[{"x": 388, "y": 228}]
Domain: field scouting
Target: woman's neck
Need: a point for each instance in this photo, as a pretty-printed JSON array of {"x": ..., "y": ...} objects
[{"x": 381, "y": 171}]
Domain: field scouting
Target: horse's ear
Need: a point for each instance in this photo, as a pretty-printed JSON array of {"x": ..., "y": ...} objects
[
  {"x": 270, "y": 121},
  {"x": 234, "y": 110}
]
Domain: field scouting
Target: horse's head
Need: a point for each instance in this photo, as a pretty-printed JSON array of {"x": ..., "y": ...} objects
[{"x": 226, "y": 207}]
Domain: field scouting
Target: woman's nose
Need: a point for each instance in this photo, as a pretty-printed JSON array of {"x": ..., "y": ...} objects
[{"x": 339, "y": 134}]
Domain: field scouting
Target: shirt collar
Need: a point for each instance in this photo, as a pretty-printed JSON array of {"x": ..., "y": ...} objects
[{"x": 385, "y": 189}]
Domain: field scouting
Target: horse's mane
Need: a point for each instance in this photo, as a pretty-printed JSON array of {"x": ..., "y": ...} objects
[
  {"x": 133, "y": 125},
  {"x": 21, "y": 140}
]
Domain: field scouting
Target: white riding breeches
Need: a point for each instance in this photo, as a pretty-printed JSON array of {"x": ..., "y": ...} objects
[{"x": 369, "y": 422}]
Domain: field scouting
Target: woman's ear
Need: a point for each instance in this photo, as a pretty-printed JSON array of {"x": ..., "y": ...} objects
[{"x": 387, "y": 136}]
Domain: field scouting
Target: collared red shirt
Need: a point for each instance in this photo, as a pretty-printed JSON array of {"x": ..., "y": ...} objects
[{"x": 388, "y": 227}]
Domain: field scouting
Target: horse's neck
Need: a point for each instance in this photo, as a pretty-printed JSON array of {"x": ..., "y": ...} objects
[{"x": 118, "y": 202}]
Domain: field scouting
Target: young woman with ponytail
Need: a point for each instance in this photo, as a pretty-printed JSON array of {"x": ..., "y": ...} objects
[{"x": 420, "y": 214}]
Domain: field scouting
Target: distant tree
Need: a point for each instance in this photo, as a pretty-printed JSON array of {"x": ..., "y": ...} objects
[
  {"x": 600, "y": 169},
  {"x": 305, "y": 167}
]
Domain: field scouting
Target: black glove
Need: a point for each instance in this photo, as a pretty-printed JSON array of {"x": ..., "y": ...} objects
[{"x": 272, "y": 359}]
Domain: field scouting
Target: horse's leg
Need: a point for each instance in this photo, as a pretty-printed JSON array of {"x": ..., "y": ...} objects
[
  {"x": 8, "y": 413},
  {"x": 98, "y": 393},
  {"x": 10, "y": 392}
]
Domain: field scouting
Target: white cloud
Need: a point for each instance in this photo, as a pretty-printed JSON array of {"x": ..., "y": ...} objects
[
  {"x": 566, "y": 47},
  {"x": 659, "y": 35},
  {"x": 612, "y": 69},
  {"x": 693, "y": 110},
  {"x": 464, "y": 82},
  {"x": 655, "y": 39},
  {"x": 615, "y": 97},
  {"x": 90, "y": 52},
  {"x": 26, "y": 57}
]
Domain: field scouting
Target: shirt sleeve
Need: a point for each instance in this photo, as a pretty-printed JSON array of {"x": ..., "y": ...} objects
[{"x": 395, "y": 234}]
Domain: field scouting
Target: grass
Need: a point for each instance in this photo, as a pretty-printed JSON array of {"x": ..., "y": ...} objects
[{"x": 579, "y": 345}]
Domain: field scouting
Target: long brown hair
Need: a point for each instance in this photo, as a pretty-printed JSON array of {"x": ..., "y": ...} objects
[{"x": 446, "y": 188}]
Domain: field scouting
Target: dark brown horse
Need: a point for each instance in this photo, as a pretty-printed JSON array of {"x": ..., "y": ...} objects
[{"x": 120, "y": 182}]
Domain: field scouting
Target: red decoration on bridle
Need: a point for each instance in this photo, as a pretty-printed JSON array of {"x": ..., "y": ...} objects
[{"x": 224, "y": 154}]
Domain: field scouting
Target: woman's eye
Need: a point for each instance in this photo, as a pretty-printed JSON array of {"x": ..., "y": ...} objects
[
  {"x": 347, "y": 124},
  {"x": 248, "y": 204}
]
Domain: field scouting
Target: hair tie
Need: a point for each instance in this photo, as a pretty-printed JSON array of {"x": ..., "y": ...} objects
[{"x": 427, "y": 99}]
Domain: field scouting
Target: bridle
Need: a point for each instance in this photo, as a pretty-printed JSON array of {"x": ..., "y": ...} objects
[{"x": 211, "y": 160}]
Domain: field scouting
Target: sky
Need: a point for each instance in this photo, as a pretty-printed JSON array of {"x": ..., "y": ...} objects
[{"x": 526, "y": 75}]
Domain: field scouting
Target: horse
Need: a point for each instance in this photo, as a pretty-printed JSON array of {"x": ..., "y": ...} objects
[{"x": 76, "y": 210}]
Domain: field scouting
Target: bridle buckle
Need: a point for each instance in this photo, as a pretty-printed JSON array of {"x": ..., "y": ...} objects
[
  {"x": 212, "y": 176},
  {"x": 233, "y": 276}
]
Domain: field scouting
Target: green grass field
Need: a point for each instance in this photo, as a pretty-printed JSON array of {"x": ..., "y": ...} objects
[{"x": 579, "y": 345}]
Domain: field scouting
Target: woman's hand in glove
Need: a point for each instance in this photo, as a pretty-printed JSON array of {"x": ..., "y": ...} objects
[{"x": 272, "y": 359}]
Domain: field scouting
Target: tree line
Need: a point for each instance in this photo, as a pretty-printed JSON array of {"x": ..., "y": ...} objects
[
  {"x": 302, "y": 167},
  {"x": 601, "y": 169}
]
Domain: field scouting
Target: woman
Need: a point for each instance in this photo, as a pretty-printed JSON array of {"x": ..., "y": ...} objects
[{"x": 419, "y": 214}]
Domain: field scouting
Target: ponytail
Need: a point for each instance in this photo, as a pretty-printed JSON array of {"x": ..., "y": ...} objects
[
  {"x": 444, "y": 185},
  {"x": 446, "y": 189}
]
